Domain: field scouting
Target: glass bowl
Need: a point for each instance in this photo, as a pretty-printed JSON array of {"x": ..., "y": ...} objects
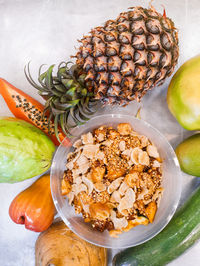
[{"x": 171, "y": 183}]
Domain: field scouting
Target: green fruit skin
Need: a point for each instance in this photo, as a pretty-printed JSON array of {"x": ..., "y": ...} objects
[
  {"x": 25, "y": 151},
  {"x": 183, "y": 95},
  {"x": 179, "y": 235},
  {"x": 188, "y": 153}
]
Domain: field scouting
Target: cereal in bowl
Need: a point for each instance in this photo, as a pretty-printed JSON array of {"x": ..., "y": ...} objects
[{"x": 113, "y": 177}]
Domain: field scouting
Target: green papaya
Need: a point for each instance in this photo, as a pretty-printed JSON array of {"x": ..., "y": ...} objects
[
  {"x": 25, "y": 151},
  {"x": 188, "y": 153},
  {"x": 183, "y": 95}
]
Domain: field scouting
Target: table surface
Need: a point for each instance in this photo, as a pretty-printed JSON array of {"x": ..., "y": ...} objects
[{"x": 46, "y": 31}]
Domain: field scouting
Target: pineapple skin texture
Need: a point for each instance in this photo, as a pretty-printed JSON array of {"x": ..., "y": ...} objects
[
  {"x": 128, "y": 56},
  {"x": 183, "y": 95}
]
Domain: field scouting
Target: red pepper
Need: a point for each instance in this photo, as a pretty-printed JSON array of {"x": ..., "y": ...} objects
[{"x": 27, "y": 108}]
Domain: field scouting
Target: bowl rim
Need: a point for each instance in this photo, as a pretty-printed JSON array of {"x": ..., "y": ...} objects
[{"x": 174, "y": 159}]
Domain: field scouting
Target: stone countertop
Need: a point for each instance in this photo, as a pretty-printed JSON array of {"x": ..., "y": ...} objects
[{"x": 46, "y": 31}]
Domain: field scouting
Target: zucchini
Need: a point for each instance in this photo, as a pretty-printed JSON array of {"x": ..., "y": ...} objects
[{"x": 181, "y": 233}]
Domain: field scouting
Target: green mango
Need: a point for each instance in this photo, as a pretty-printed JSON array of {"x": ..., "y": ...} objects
[
  {"x": 25, "y": 151},
  {"x": 183, "y": 95},
  {"x": 188, "y": 153}
]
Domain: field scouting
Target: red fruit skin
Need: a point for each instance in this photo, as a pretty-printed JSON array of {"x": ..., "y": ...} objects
[{"x": 34, "y": 206}]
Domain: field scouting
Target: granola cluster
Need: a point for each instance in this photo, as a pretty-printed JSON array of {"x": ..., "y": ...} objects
[{"x": 113, "y": 177}]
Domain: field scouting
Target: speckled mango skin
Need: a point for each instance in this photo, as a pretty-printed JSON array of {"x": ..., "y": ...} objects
[
  {"x": 188, "y": 153},
  {"x": 25, "y": 151},
  {"x": 183, "y": 95}
]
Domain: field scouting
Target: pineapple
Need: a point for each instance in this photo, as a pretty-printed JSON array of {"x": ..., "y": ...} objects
[{"x": 115, "y": 64}]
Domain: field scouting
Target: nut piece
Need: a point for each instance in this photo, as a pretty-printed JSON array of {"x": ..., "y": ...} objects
[
  {"x": 113, "y": 134},
  {"x": 65, "y": 187},
  {"x": 77, "y": 143},
  {"x": 78, "y": 188},
  {"x": 127, "y": 153},
  {"x": 122, "y": 145},
  {"x": 144, "y": 141},
  {"x": 114, "y": 185},
  {"x": 135, "y": 155},
  {"x": 123, "y": 188},
  {"x": 100, "y": 133},
  {"x": 90, "y": 150},
  {"x": 127, "y": 201},
  {"x": 151, "y": 211},
  {"x": 124, "y": 128},
  {"x": 152, "y": 151},
  {"x": 70, "y": 196},
  {"x": 113, "y": 173},
  {"x": 89, "y": 184},
  {"x": 143, "y": 158},
  {"x": 100, "y": 156},
  {"x": 97, "y": 173},
  {"x": 99, "y": 187},
  {"x": 119, "y": 223},
  {"x": 131, "y": 179},
  {"x": 99, "y": 211},
  {"x": 87, "y": 138},
  {"x": 82, "y": 160},
  {"x": 156, "y": 164},
  {"x": 115, "y": 197},
  {"x": 70, "y": 164}
]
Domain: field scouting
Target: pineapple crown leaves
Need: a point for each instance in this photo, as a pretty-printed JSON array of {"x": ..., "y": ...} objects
[{"x": 68, "y": 101}]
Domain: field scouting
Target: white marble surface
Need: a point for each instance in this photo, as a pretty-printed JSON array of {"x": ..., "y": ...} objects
[{"x": 45, "y": 31}]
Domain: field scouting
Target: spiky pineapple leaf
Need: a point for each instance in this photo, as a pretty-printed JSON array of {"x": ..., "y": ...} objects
[
  {"x": 49, "y": 78},
  {"x": 68, "y": 101}
]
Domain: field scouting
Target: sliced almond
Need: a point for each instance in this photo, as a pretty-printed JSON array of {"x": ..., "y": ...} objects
[
  {"x": 69, "y": 155},
  {"x": 100, "y": 137},
  {"x": 100, "y": 155},
  {"x": 86, "y": 207},
  {"x": 123, "y": 188},
  {"x": 152, "y": 151},
  {"x": 122, "y": 145},
  {"x": 107, "y": 143},
  {"x": 78, "y": 188},
  {"x": 135, "y": 155},
  {"x": 89, "y": 184},
  {"x": 127, "y": 201},
  {"x": 77, "y": 180},
  {"x": 141, "y": 195},
  {"x": 131, "y": 179},
  {"x": 99, "y": 187},
  {"x": 78, "y": 143},
  {"x": 115, "y": 197},
  {"x": 156, "y": 164},
  {"x": 127, "y": 153},
  {"x": 70, "y": 196},
  {"x": 90, "y": 150},
  {"x": 87, "y": 138},
  {"x": 143, "y": 158},
  {"x": 144, "y": 140},
  {"x": 119, "y": 223},
  {"x": 82, "y": 160},
  {"x": 114, "y": 185},
  {"x": 70, "y": 164},
  {"x": 81, "y": 170}
]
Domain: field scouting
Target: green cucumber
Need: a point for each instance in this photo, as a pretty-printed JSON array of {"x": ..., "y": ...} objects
[{"x": 181, "y": 233}]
